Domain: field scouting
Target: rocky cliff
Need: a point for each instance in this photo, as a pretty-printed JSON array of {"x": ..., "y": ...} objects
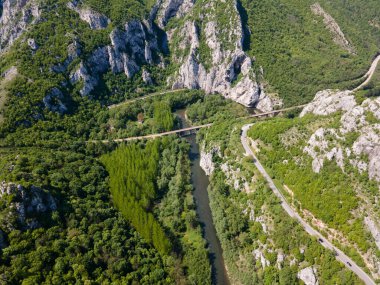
[
  {"x": 208, "y": 48},
  {"x": 204, "y": 47},
  {"x": 21, "y": 206},
  {"x": 361, "y": 120},
  {"x": 15, "y": 18}
]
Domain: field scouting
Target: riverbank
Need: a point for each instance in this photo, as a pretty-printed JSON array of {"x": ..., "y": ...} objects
[{"x": 200, "y": 183}]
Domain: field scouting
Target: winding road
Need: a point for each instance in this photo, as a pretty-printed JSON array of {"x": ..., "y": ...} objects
[
  {"x": 369, "y": 73},
  {"x": 348, "y": 262}
]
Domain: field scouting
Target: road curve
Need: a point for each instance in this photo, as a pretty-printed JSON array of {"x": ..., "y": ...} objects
[
  {"x": 369, "y": 73},
  {"x": 348, "y": 262}
]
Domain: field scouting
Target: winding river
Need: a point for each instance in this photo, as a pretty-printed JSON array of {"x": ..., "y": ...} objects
[{"x": 200, "y": 182}]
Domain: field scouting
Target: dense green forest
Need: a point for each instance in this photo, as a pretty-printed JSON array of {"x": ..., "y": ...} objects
[
  {"x": 283, "y": 140},
  {"x": 125, "y": 213},
  {"x": 240, "y": 234},
  {"x": 121, "y": 11},
  {"x": 297, "y": 52},
  {"x": 133, "y": 172},
  {"x": 86, "y": 239},
  {"x": 150, "y": 184}
]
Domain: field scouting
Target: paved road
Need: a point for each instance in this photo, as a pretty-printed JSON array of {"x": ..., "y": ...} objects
[
  {"x": 348, "y": 262},
  {"x": 153, "y": 136},
  {"x": 145, "y": 97},
  {"x": 369, "y": 73},
  {"x": 273, "y": 112}
]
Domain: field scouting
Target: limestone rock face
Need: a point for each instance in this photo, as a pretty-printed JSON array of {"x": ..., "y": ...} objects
[
  {"x": 172, "y": 8},
  {"x": 226, "y": 68},
  {"x": 130, "y": 48},
  {"x": 94, "y": 19},
  {"x": 326, "y": 143},
  {"x": 16, "y": 17},
  {"x": 21, "y": 210},
  {"x": 82, "y": 74},
  {"x": 330, "y": 101},
  {"x": 309, "y": 276},
  {"x": 32, "y": 44},
  {"x": 206, "y": 160},
  {"x": 374, "y": 229},
  {"x": 73, "y": 52}
]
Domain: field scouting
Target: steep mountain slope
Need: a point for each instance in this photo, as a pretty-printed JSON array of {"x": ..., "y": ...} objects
[
  {"x": 331, "y": 156},
  {"x": 76, "y": 212},
  {"x": 299, "y": 50}
]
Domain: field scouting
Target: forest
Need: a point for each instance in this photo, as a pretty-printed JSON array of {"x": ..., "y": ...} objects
[
  {"x": 253, "y": 221},
  {"x": 297, "y": 52},
  {"x": 283, "y": 140}
]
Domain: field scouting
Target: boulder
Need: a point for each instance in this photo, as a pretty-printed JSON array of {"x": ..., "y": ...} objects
[{"x": 309, "y": 276}]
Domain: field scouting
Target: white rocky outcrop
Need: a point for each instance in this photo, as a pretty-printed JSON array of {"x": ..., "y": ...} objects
[
  {"x": 74, "y": 50},
  {"x": 17, "y": 15},
  {"x": 338, "y": 36},
  {"x": 309, "y": 276},
  {"x": 229, "y": 70},
  {"x": 172, "y": 8},
  {"x": 374, "y": 228},
  {"x": 147, "y": 78},
  {"x": 95, "y": 20},
  {"x": 259, "y": 256},
  {"x": 206, "y": 159},
  {"x": 326, "y": 143},
  {"x": 89, "y": 81},
  {"x": 21, "y": 211},
  {"x": 130, "y": 48},
  {"x": 327, "y": 102},
  {"x": 32, "y": 44},
  {"x": 319, "y": 149}
]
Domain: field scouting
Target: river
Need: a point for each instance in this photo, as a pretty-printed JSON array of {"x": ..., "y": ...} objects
[{"x": 200, "y": 183}]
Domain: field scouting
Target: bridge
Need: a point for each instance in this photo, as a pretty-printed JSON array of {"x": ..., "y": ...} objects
[
  {"x": 191, "y": 130},
  {"x": 184, "y": 131}
]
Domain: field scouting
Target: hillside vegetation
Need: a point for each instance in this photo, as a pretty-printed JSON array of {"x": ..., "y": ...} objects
[{"x": 298, "y": 53}]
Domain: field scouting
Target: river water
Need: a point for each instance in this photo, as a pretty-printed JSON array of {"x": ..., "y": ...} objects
[{"x": 200, "y": 183}]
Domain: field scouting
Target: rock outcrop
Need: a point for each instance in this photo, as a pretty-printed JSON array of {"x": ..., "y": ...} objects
[
  {"x": 327, "y": 102},
  {"x": 211, "y": 55},
  {"x": 338, "y": 36},
  {"x": 17, "y": 15},
  {"x": 95, "y": 20},
  {"x": 131, "y": 47},
  {"x": 206, "y": 159},
  {"x": 363, "y": 120},
  {"x": 374, "y": 229},
  {"x": 22, "y": 205},
  {"x": 309, "y": 276},
  {"x": 53, "y": 101},
  {"x": 207, "y": 48},
  {"x": 172, "y": 8}
]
